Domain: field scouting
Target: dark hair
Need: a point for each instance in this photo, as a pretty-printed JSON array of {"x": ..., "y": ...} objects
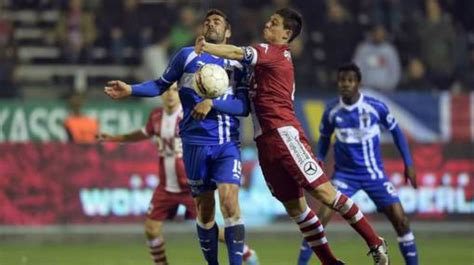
[
  {"x": 292, "y": 20},
  {"x": 350, "y": 67},
  {"x": 218, "y": 12}
]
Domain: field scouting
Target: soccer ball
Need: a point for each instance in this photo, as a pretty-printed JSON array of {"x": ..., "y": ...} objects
[{"x": 211, "y": 81}]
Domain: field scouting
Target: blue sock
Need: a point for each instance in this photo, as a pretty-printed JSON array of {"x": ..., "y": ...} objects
[
  {"x": 208, "y": 239},
  {"x": 408, "y": 248},
  {"x": 305, "y": 253},
  {"x": 234, "y": 239}
]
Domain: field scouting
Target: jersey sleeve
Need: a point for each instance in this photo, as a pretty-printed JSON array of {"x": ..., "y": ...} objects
[
  {"x": 260, "y": 54},
  {"x": 386, "y": 118},
  {"x": 326, "y": 128},
  {"x": 172, "y": 73},
  {"x": 149, "y": 129}
]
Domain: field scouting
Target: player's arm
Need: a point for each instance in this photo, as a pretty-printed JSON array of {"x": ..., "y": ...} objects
[
  {"x": 221, "y": 50},
  {"x": 117, "y": 89},
  {"x": 135, "y": 136},
  {"x": 389, "y": 122},
  {"x": 402, "y": 146},
  {"x": 326, "y": 128},
  {"x": 236, "y": 105}
]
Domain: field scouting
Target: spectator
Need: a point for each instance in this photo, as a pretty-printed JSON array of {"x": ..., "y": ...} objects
[
  {"x": 8, "y": 71},
  {"x": 184, "y": 32},
  {"x": 467, "y": 80},
  {"x": 155, "y": 59},
  {"x": 340, "y": 29},
  {"x": 80, "y": 128},
  {"x": 378, "y": 61},
  {"x": 76, "y": 31},
  {"x": 415, "y": 77},
  {"x": 438, "y": 44}
]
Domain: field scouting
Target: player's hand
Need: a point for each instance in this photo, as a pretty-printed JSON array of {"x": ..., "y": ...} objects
[
  {"x": 117, "y": 89},
  {"x": 199, "y": 44},
  {"x": 104, "y": 137},
  {"x": 410, "y": 176},
  {"x": 201, "y": 109}
]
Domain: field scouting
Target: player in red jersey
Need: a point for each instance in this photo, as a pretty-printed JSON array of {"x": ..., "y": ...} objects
[
  {"x": 173, "y": 189},
  {"x": 287, "y": 162}
]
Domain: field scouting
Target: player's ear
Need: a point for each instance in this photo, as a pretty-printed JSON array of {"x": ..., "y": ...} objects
[
  {"x": 227, "y": 33},
  {"x": 287, "y": 35}
]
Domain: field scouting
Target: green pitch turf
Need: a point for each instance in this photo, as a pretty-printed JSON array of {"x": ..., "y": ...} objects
[{"x": 273, "y": 250}]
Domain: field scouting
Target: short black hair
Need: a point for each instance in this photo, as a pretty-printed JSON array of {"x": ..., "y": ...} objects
[
  {"x": 350, "y": 67},
  {"x": 292, "y": 20},
  {"x": 215, "y": 11}
]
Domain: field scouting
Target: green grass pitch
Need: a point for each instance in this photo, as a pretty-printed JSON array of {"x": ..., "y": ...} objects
[{"x": 272, "y": 249}]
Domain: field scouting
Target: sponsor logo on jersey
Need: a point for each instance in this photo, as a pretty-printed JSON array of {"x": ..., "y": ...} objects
[
  {"x": 248, "y": 54},
  {"x": 310, "y": 168}
]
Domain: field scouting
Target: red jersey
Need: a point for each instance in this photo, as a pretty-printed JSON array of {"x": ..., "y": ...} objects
[
  {"x": 272, "y": 87},
  {"x": 165, "y": 128}
]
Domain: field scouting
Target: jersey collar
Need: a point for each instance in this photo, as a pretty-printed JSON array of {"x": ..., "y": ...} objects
[{"x": 353, "y": 106}]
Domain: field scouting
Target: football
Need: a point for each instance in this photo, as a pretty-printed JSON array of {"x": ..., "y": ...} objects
[{"x": 211, "y": 81}]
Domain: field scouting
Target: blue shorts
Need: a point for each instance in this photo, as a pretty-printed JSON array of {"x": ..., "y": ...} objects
[
  {"x": 209, "y": 165},
  {"x": 380, "y": 191}
]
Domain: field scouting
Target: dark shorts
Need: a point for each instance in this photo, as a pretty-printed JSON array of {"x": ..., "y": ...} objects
[
  {"x": 209, "y": 165},
  {"x": 380, "y": 191},
  {"x": 164, "y": 205},
  {"x": 288, "y": 164}
]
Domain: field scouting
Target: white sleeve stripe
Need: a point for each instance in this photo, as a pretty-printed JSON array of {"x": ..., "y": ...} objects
[
  {"x": 190, "y": 57},
  {"x": 144, "y": 131},
  {"x": 393, "y": 126},
  {"x": 164, "y": 79}
]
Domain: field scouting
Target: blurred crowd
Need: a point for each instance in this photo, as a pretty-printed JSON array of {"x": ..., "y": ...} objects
[{"x": 399, "y": 44}]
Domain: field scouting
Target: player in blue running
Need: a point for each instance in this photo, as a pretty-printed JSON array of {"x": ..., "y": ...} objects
[
  {"x": 210, "y": 136},
  {"x": 355, "y": 119}
]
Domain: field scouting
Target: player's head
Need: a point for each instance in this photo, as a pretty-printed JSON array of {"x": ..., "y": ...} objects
[
  {"x": 75, "y": 102},
  {"x": 216, "y": 27},
  {"x": 171, "y": 97},
  {"x": 283, "y": 26},
  {"x": 348, "y": 80}
]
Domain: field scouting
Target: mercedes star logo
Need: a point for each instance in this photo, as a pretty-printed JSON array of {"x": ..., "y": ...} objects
[{"x": 310, "y": 168}]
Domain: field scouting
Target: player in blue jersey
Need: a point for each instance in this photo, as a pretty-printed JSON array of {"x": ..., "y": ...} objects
[
  {"x": 210, "y": 136},
  {"x": 356, "y": 119}
]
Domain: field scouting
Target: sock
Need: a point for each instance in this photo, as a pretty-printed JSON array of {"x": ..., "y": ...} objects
[
  {"x": 208, "y": 238},
  {"x": 349, "y": 210},
  {"x": 157, "y": 251},
  {"x": 234, "y": 239},
  {"x": 313, "y": 233},
  {"x": 408, "y": 248},
  {"x": 247, "y": 253},
  {"x": 305, "y": 253}
]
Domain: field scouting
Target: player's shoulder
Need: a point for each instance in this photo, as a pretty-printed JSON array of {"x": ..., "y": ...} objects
[
  {"x": 185, "y": 52},
  {"x": 374, "y": 102},
  {"x": 158, "y": 111},
  {"x": 331, "y": 104},
  {"x": 266, "y": 47}
]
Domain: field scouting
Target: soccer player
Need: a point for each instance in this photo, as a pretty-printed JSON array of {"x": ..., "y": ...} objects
[
  {"x": 356, "y": 120},
  {"x": 285, "y": 156},
  {"x": 173, "y": 189},
  {"x": 211, "y": 151}
]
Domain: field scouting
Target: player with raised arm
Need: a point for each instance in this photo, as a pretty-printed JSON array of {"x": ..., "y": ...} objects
[
  {"x": 173, "y": 190},
  {"x": 285, "y": 155},
  {"x": 356, "y": 119},
  {"x": 211, "y": 151}
]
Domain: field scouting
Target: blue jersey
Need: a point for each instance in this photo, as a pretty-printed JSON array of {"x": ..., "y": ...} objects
[
  {"x": 218, "y": 127},
  {"x": 357, "y": 130}
]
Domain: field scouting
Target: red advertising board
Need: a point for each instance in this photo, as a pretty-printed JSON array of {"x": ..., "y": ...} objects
[{"x": 55, "y": 183}]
